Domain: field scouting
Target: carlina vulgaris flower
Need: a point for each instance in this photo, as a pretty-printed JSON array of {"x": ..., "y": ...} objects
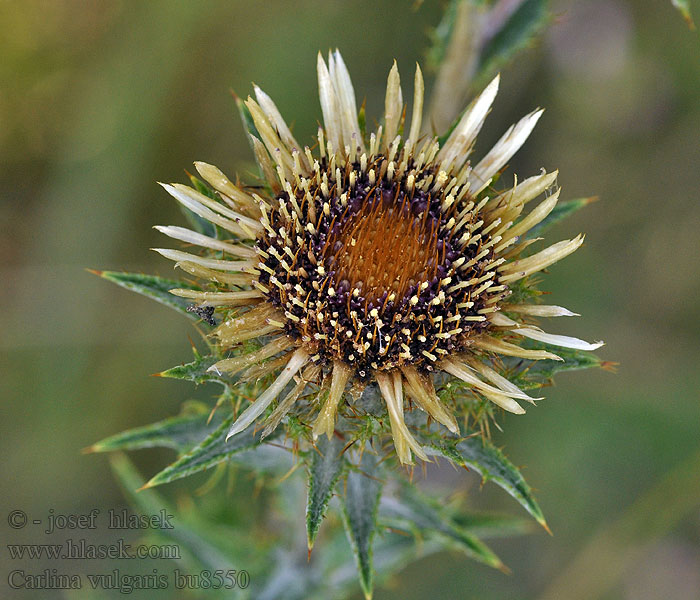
[{"x": 382, "y": 259}]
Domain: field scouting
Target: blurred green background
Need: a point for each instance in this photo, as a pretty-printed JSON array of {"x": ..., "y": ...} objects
[{"x": 99, "y": 100}]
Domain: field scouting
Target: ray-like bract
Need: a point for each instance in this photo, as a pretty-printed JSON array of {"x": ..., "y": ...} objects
[
  {"x": 352, "y": 136},
  {"x": 211, "y": 263},
  {"x": 541, "y": 310},
  {"x": 238, "y": 363},
  {"x": 230, "y": 192},
  {"x": 423, "y": 391},
  {"x": 192, "y": 237},
  {"x": 504, "y": 149},
  {"x": 325, "y": 422},
  {"x": 250, "y": 414},
  {"x": 393, "y": 105},
  {"x": 403, "y": 439},
  {"x": 274, "y": 116},
  {"x": 329, "y": 105},
  {"x": 563, "y": 341},
  {"x": 459, "y": 144},
  {"x": 532, "y": 264},
  {"x": 417, "y": 114},
  {"x": 241, "y": 298}
]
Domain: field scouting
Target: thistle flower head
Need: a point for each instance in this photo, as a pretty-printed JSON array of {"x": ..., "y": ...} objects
[{"x": 384, "y": 259}]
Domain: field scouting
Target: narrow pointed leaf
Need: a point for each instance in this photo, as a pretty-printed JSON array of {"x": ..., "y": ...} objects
[
  {"x": 560, "y": 211},
  {"x": 325, "y": 467},
  {"x": 409, "y": 510},
  {"x": 493, "y": 525},
  {"x": 362, "y": 120},
  {"x": 180, "y": 433},
  {"x": 156, "y": 288},
  {"x": 212, "y": 451},
  {"x": 197, "y": 371},
  {"x": 482, "y": 456},
  {"x": 360, "y": 504}
]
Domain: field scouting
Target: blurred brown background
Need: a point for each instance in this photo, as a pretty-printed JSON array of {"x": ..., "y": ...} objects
[{"x": 99, "y": 100}]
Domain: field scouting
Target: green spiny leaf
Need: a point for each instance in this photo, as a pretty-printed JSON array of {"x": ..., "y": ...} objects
[
  {"x": 156, "y": 288},
  {"x": 197, "y": 371},
  {"x": 360, "y": 503},
  {"x": 180, "y": 433},
  {"x": 492, "y": 525},
  {"x": 561, "y": 210},
  {"x": 325, "y": 467},
  {"x": 362, "y": 120},
  {"x": 212, "y": 451},
  {"x": 517, "y": 33},
  {"x": 479, "y": 454},
  {"x": 410, "y": 510}
]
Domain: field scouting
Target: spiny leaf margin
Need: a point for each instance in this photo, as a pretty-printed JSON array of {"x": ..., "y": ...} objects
[
  {"x": 181, "y": 433},
  {"x": 210, "y": 452},
  {"x": 410, "y": 510},
  {"x": 156, "y": 288},
  {"x": 360, "y": 504},
  {"x": 325, "y": 466},
  {"x": 478, "y": 453}
]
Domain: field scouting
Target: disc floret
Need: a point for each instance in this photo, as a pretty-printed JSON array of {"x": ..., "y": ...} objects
[{"x": 378, "y": 262}]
